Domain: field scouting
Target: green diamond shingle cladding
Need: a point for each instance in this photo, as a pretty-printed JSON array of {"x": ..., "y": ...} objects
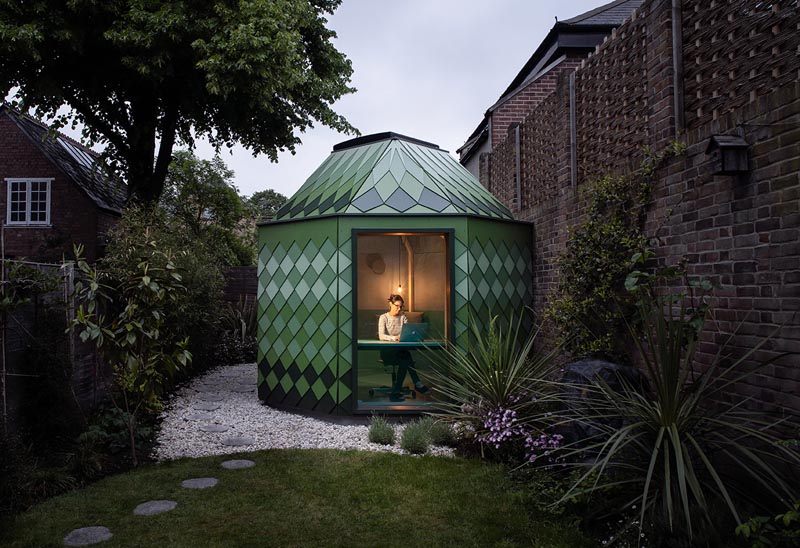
[
  {"x": 393, "y": 176},
  {"x": 301, "y": 290}
]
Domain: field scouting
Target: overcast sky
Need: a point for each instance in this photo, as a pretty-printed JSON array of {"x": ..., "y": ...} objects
[{"x": 428, "y": 69}]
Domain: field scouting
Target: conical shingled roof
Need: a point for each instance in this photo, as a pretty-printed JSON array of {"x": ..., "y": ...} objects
[{"x": 390, "y": 174}]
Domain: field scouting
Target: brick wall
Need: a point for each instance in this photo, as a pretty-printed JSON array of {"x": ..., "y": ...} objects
[
  {"x": 74, "y": 218},
  {"x": 518, "y": 106},
  {"x": 741, "y": 231}
]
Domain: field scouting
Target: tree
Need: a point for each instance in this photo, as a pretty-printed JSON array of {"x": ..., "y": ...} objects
[
  {"x": 200, "y": 197},
  {"x": 265, "y": 203},
  {"x": 201, "y": 192},
  {"x": 140, "y": 74}
]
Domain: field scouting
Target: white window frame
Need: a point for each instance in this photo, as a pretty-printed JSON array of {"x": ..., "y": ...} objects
[{"x": 28, "y": 181}]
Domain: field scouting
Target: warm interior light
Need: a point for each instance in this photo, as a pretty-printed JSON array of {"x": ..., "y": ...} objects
[{"x": 399, "y": 288}]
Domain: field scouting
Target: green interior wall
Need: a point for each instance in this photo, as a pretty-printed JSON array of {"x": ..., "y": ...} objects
[{"x": 305, "y": 297}]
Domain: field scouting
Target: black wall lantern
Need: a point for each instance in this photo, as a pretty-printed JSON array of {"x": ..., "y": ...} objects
[{"x": 729, "y": 154}]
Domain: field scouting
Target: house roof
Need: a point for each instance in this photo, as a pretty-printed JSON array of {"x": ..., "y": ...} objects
[
  {"x": 79, "y": 163},
  {"x": 578, "y": 35},
  {"x": 391, "y": 174}
]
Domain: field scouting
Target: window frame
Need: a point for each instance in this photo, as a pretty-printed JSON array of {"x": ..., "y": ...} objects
[
  {"x": 10, "y": 182},
  {"x": 449, "y": 257}
]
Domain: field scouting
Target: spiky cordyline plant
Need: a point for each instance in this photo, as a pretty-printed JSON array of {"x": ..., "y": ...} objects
[
  {"x": 498, "y": 370},
  {"x": 672, "y": 441}
]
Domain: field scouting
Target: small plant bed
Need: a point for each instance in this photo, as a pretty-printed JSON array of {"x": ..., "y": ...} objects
[{"x": 302, "y": 498}]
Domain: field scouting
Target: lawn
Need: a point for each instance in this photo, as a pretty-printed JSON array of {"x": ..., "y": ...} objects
[{"x": 321, "y": 498}]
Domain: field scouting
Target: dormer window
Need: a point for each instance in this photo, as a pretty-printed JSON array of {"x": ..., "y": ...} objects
[{"x": 28, "y": 201}]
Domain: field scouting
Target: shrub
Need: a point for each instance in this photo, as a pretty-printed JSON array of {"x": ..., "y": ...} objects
[
  {"x": 780, "y": 531},
  {"x": 126, "y": 317},
  {"x": 668, "y": 443},
  {"x": 416, "y": 438},
  {"x": 590, "y": 307},
  {"x": 440, "y": 432},
  {"x": 380, "y": 431},
  {"x": 497, "y": 387}
]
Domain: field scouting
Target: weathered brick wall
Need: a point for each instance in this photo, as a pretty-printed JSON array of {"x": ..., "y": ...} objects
[
  {"x": 517, "y": 107},
  {"x": 741, "y": 231},
  {"x": 736, "y": 52},
  {"x": 74, "y": 218}
]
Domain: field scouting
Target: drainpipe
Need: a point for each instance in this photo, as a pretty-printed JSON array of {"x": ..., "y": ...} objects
[
  {"x": 517, "y": 168},
  {"x": 573, "y": 133},
  {"x": 677, "y": 66}
]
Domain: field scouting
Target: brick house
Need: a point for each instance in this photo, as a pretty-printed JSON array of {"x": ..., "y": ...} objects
[
  {"x": 54, "y": 194},
  {"x": 561, "y": 51},
  {"x": 701, "y": 74}
]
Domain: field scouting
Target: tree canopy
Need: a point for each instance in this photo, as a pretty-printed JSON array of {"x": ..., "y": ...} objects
[
  {"x": 143, "y": 74},
  {"x": 200, "y": 199},
  {"x": 265, "y": 203}
]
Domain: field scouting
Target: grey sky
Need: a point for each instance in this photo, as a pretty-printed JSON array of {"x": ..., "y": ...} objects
[{"x": 424, "y": 68}]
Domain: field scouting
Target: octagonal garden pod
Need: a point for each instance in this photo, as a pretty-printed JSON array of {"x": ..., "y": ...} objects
[{"x": 384, "y": 214}]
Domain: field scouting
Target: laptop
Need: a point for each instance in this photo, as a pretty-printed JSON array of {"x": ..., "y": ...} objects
[{"x": 413, "y": 332}]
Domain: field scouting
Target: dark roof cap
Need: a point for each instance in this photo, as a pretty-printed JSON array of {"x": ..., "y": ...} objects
[{"x": 378, "y": 137}]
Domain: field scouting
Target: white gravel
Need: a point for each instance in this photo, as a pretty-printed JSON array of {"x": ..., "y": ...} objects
[{"x": 242, "y": 411}]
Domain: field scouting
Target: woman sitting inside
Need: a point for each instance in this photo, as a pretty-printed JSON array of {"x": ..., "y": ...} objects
[{"x": 389, "y": 327}]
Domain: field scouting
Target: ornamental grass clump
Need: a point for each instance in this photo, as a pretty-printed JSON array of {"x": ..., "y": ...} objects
[
  {"x": 498, "y": 387},
  {"x": 416, "y": 438},
  {"x": 380, "y": 431},
  {"x": 677, "y": 448},
  {"x": 440, "y": 432}
]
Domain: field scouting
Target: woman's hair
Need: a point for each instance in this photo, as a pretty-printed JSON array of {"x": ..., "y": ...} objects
[{"x": 393, "y": 298}]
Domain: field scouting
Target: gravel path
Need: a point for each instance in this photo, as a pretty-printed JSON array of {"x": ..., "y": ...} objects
[{"x": 194, "y": 422}]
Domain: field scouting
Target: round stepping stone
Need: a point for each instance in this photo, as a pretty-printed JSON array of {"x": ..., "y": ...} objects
[
  {"x": 214, "y": 428},
  {"x": 207, "y": 388},
  {"x": 209, "y": 397},
  {"x": 199, "y": 417},
  {"x": 238, "y": 441},
  {"x": 153, "y": 507},
  {"x": 87, "y": 535},
  {"x": 199, "y": 483},
  {"x": 238, "y": 464},
  {"x": 229, "y": 373},
  {"x": 242, "y": 388},
  {"x": 206, "y": 406}
]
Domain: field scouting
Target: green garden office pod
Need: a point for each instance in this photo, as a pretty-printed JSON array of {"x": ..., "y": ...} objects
[{"x": 384, "y": 214}]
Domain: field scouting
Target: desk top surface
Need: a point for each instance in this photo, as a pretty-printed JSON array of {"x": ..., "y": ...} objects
[{"x": 375, "y": 343}]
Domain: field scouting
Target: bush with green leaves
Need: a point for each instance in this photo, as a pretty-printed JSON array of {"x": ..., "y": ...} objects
[
  {"x": 590, "y": 307},
  {"x": 126, "y": 316},
  {"x": 679, "y": 448},
  {"x": 416, "y": 438},
  {"x": 381, "y": 431},
  {"x": 781, "y": 531}
]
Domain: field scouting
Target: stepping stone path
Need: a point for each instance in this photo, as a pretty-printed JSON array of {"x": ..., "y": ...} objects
[
  {"x": 207, "y": 388},
  {"x": 238, "y": 441},
  {"x": 238, "y": 464},
  {"x": 199, "y": 483},
  {"x": 199, "y": 417},
  {"x": 209, "y": 397},
  {"x": 218, "y": 428},
  {"x": 206, "y": 406},
  {"x": 153, "y": 507},
  {"x": 87, "y": 535},
  {"x": 243, "y": 388}
]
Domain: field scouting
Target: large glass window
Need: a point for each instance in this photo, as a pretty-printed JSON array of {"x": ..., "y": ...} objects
[
  {"x": 28, "y": 201},
  {"x": 413, "y": 266}
]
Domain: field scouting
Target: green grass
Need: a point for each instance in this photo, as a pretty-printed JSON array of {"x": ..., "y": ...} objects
[{"x": 301, "y": 498}]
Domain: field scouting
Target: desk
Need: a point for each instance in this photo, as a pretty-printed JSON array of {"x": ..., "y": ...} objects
[{"x": 364, "y": 344}]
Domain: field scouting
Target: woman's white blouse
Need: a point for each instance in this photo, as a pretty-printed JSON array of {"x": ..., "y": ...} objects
[{"x": 390, "y": 326}]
